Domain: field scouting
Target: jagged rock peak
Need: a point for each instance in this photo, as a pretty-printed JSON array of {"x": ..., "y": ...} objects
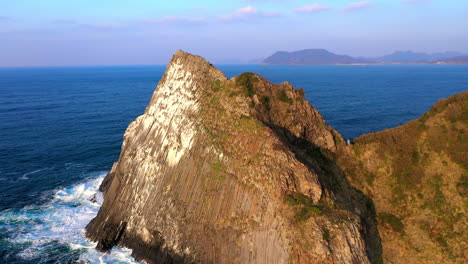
[
  {"x": 231, "y": 171},
  {"x": 197, "y": 66}
]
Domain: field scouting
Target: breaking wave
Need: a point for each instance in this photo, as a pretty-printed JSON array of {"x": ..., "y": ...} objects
[{"x": 53, "y": 232}]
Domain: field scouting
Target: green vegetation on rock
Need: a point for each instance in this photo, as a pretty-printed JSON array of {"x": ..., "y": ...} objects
[
  {"x": 306, "y": 207},
  {"x": 218, "y": 166},
  {"x": 265, "y": 100},
  {"x": 392, "y": 220},
  {"x": 246, "y": 80},
  {"x": 326, "y": 234},
  {"x": 216, "y": 86},
  {"x": 337, "y": 140},
  {"x": 283, "y": 97}
]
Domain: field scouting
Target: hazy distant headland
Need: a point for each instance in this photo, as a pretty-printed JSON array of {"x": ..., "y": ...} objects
[
  {"x": 325, "y": 57},
  {"x": 460, "y": 60}
]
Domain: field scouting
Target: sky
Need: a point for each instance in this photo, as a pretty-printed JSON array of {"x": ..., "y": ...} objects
[{"x": 140, "y": 32}]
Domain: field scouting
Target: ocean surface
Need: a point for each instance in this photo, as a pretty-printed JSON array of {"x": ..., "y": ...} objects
[{"x": 61, "y": 130}]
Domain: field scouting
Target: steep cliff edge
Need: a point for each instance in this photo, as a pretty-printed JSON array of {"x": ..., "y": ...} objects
[
  {"x": 417, "y": 176},
  {"x": 232, "y": 171}
]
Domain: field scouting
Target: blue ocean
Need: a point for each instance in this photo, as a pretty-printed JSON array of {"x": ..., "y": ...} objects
[{"x": 61, "y": 130}]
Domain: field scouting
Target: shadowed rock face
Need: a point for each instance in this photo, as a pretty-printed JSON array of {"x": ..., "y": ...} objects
[{"x": 232, "y": 171}]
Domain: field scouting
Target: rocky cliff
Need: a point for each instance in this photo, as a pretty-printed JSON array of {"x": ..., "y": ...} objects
[
  {"x": 232, "y": 171},
  {"x": 246, "y": 171}
]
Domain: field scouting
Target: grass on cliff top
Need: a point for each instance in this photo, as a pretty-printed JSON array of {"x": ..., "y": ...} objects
[
  {"x": 222, "y": 121},
  {"x": 446, "y": 129},
  {"x": 402, "y": 160},
  {"x": 409, "y": 149},
  {"x": 457, "y": 106}
]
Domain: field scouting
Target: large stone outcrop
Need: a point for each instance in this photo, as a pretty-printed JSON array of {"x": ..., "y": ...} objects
[{"x": 232, "y": 171}]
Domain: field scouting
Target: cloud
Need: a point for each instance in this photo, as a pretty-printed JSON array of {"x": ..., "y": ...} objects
[
  {"x": 4, "y": 18},
  {"x": 312, "y": 8},
  {"x": 358, "y": 5},
  {"x": 246, "y": 13},
  {"x": 241, "y": 14}
]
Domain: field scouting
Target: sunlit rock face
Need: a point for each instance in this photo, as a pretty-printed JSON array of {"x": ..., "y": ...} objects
[{"x": 232, "y": 171}]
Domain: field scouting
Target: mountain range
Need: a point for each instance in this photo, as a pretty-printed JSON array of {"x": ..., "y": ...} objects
[
  {"x": 325, "y": 57},
  {"x": 415, "y": 57}
]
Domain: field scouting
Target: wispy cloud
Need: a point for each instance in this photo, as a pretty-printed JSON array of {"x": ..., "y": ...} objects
[
  {"x": 4, "y": 18},
  {"x": 246, "y": 13},
  {"x": 241, "y": 14},
  {"x": 312, "y": 8},
  {"x": 358, "y": 5}
]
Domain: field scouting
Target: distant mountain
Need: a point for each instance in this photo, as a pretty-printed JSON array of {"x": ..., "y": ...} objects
[
  {"x": 324, "y": 57},
  {"x": 404, "y": 57},
  {"x": 311, "y": 57},
  {"x": 415, "y": 57},
  {"x": 454, "y": 60}
]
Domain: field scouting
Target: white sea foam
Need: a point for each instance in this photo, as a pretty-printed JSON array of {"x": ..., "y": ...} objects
[{"x": 37, "y": 229}]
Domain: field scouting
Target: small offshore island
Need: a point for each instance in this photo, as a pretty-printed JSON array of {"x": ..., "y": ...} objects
[{"x": 242, "y": 170}]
